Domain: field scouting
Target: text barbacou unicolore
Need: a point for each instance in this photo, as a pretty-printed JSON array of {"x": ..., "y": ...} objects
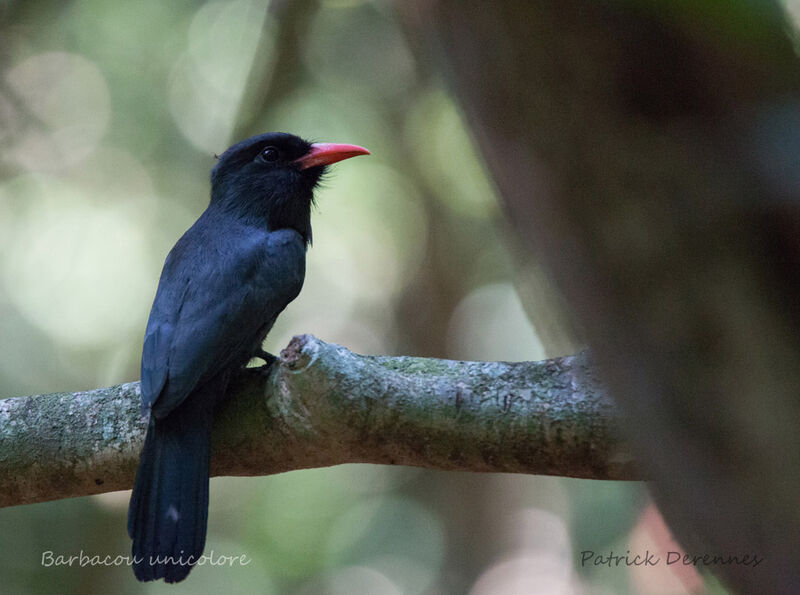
[
  {"x": 82, "y": 559},
  {"x": 648, "y": 558}
]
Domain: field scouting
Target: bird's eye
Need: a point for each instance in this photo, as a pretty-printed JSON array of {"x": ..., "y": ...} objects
[{"x": 270, "y": 154}]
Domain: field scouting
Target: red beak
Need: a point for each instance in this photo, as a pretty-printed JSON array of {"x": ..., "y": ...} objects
[{"x": 327, "y": 153}]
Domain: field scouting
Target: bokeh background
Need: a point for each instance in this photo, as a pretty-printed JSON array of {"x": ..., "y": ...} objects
[{"x": 110, "y": 115}]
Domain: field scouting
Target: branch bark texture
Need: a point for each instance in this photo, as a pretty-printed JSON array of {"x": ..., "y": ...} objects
[{"x": 323, "y": 405}]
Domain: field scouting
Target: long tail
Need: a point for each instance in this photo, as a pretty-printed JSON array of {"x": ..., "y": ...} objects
[{"x": 168, "y": 512}]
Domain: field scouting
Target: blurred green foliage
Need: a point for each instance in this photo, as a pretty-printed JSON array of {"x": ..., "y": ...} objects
[{"x": 109, "y": 117}]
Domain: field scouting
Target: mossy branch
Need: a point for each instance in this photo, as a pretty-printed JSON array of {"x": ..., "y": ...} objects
[{"x": 324, "y": 405}]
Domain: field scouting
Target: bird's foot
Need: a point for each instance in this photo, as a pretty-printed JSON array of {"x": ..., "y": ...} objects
[{"x": 269, "y": 362}]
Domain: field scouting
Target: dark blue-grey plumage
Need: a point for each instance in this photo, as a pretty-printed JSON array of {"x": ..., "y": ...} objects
[{"x": 222, "y": 287}]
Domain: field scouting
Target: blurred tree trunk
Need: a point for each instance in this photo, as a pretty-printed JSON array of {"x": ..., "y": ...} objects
[{"x": 649, "y": 153}]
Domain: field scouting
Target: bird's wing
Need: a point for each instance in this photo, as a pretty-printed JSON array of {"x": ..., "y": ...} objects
[{"x": 205, "y": 318}]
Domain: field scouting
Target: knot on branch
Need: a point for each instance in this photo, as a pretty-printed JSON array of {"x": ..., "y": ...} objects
[{"x": 299, "y": 353}]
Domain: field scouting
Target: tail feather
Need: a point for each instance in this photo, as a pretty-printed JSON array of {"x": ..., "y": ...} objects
[{"x": 168, "y": 512}]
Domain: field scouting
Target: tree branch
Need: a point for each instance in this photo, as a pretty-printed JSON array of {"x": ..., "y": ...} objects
[{"x": 323, "y": 405}]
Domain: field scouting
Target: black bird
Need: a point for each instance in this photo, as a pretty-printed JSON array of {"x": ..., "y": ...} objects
[{"x": 222, "y": 287}]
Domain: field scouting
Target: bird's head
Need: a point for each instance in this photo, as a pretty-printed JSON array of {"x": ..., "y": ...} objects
[{"x": 270, "y": 178}]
